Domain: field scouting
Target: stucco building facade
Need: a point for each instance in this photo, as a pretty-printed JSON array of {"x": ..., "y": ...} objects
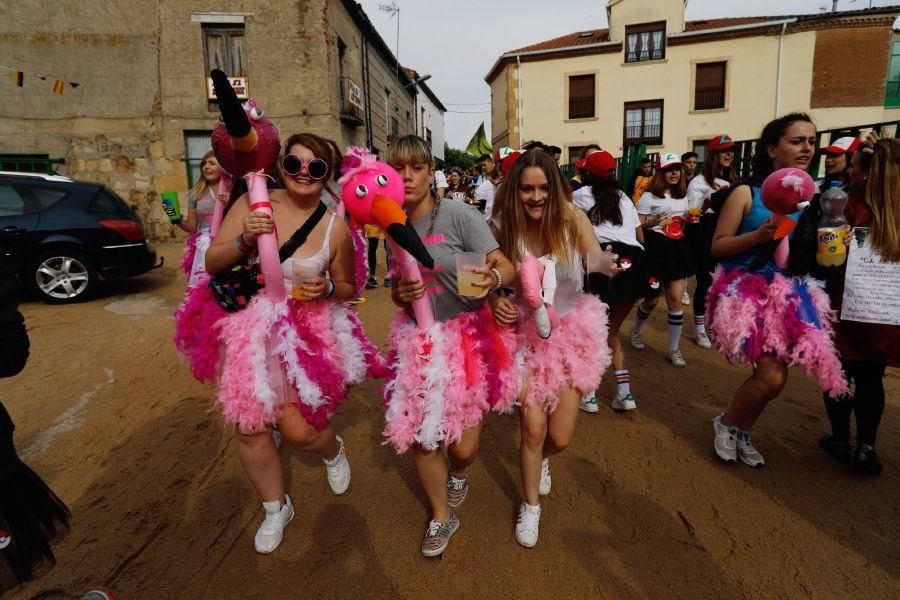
[
  {"x": 654, "y": 78},
  {"x": 141, "y": 107}
]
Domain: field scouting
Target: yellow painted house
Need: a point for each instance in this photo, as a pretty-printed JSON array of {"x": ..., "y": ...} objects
[{"x": 654, "y": 78}]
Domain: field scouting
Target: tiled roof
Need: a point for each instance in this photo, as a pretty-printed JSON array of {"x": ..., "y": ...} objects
[
  {"x": 700, "y": 25},
  {"x": 579, "y": 38}
]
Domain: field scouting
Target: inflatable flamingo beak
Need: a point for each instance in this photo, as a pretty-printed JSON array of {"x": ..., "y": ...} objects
[
  {"x": 390, "y": 217},
  {"x": 803, "y": 205},
  {"x": 243, "y": 136}
]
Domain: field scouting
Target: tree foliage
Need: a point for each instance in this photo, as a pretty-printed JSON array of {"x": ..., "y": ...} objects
[{"x": 457, "y": 158}]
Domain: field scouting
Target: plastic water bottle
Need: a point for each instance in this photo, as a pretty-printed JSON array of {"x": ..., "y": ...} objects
[{"x": 831, "y": 251}]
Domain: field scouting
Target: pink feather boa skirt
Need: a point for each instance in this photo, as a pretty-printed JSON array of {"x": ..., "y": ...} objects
[
  {"x": 444, "y": 380},
  {"x": 574, "y": 356},
  {"x": 306, "y": 353},
  {"x": 751, "y": 316}
]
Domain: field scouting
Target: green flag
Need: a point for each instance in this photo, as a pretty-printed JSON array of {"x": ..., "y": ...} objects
[{"x": 479, "y": 145}]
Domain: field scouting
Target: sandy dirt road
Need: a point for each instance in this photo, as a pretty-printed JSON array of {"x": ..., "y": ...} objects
[{"x": 640, "y": 507}]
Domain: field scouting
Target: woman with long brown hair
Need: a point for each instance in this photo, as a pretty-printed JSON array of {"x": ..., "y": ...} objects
[
  {"x": 866, "y": 349},
  {"x": 663, "y": 210},
  {"x": 536, "y": 218}
]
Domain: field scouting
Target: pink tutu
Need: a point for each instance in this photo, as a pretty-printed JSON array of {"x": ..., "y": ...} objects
[
  {"x": 751, "y": 316},
  {"x": 306, "y": 353},
  {"x": 195, "y": 336},
  {"x": 445, "y": 379},
  {"x": 574, "y": 356},
  {"x": 190, "y": 251}
]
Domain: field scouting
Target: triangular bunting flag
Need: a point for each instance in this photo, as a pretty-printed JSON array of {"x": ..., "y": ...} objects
[
  {"x": 42, "y": 77},
  {"x": 58, "y": 87},
  {"x": 73, "y": 84}
]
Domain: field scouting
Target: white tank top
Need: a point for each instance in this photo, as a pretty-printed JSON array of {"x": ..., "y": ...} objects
[{"x": 318, "y": 261}]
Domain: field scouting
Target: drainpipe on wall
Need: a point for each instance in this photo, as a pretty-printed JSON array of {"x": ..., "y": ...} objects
[
  {"x": 778, "y": 75},
  {"x": 519, "y": 98}
]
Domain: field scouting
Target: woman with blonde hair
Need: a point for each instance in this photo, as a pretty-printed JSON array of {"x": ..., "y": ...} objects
[
  {"x": 537, "y": 219},
  {"x": 203, "y": 196},
  {"x": 445, "y": 379}
]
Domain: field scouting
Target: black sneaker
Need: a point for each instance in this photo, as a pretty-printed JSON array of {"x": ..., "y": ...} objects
[
  {"x": 371, "y": 283},
  {"x": 838, "y": 450},
  {"x": 865, "y": 460}
]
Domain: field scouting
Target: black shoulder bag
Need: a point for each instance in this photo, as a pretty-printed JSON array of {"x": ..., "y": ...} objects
[{"x": 235, "y": 287}]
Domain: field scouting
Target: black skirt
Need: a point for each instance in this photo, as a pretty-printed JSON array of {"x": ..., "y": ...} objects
[
  {"x": 627, "y": 286},
  {"x": 700, "y": 236},
  {"x": 29, "y": 514},
  {"x": 668, "y": 259}
]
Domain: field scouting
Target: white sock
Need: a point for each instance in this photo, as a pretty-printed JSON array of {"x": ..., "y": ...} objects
[
  {"x": 535, "y": 510},
  {"x": 623, "y": 383},
  {"x": 699, "y": 323},
  {"x": 640, "y": 317},
  {"x": 676, "y": 323},
  {"x": 273, "y": 507}
]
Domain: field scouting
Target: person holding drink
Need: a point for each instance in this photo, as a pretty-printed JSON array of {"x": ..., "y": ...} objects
[
  {"x": 536, "y": 218},
  {"x": 445, "y": 379},
  {"x": 866, "y": 349},
  {"x": 663, "y": 210},
  {"x": 718, "y": 173},
  {"x": 318, "y": 348}
]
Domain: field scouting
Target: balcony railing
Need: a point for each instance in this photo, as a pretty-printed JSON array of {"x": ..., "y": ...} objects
[
  {"x": 706, "y": 98},
  {"x": 581, "y": 108}
]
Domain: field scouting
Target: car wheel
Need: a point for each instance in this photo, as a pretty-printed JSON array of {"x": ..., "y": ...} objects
[{"x": 61, "y": 276}]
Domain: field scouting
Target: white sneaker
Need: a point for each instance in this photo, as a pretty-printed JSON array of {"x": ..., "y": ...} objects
[
  {"x": 542, "y": 321},
  {"x": 338, "y": 470},
  {"x": 686, "y": 298},
  {"x": 637, "y": 340},
  {"x": 726, "y": 440},
  {"x": 747, "y": 453},
  {"x": 527, "y": 526},
  {"x": 269, "y": 534},
  {"x": 589, "y": 403},
  {"x": 677, "y": 359},
  {"x": 702, "y": 339},
  {"x": 624, "y": 403},
  {"x": 546, "y": 481}
]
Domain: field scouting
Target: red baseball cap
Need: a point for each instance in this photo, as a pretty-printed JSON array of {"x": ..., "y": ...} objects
[
  {"x": 501, "y": 153},
  {"x": 507, "y": 163},
  {"x": 844, "y": 145},
  {"x": 720, "y": 143},
  {"x": 600, "y": 163}
]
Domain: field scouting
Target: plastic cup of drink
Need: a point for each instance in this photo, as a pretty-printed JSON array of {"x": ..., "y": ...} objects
[
  {"x": 299, "y": 272},
  {"x": 465, "y": 278}
]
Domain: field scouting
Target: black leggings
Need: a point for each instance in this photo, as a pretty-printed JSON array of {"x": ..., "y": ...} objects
[
  {"x": 373, "y": 255},
  {"x": 704, "y": 280},
  {"x": 867, "y": 402}
]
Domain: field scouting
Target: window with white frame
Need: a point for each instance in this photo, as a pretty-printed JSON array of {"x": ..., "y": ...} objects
[{"x": 645, "y": 42}]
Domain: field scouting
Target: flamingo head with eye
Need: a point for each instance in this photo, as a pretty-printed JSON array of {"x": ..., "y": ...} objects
[{"x": 373, "y": 194}]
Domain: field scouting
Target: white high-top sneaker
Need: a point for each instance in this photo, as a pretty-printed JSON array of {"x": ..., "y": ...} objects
[
  {"x": 338, "y": 470},
  {"x": 270, "y": 533}
]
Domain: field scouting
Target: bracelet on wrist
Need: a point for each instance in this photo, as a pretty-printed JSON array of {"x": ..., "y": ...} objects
[
  {"x": 330, "y": 291},
  {"x": 240, "y": 245},
  {"x": 498, "y": 280}
]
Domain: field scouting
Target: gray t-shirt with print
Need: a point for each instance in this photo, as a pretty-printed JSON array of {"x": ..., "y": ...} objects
[{"x": 458, "y": 227}]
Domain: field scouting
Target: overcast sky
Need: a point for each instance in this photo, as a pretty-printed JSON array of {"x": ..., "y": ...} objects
[{"x": 457, "y": 41}]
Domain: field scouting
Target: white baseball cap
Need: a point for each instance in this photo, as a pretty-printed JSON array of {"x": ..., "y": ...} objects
[{"x": 667, "y": 159}]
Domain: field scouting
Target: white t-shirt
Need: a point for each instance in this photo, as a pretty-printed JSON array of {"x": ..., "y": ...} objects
[
  {"x": 583, "y": 198},
  {"x": 673, "y": 207},
  {"x": 440, "y": 180},
  {"x": 485, "y": 191},
  {"x": 699, "y": 190}
]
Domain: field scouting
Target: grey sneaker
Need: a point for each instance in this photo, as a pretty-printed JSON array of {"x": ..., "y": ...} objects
[
  {"x": 677, "y": 359},
  {"x": 726, "y": 440},
  {"x": 747, "y": 453},
  {"x": 637, "y": 340},
  {"x": 438, "y": 535},
  {"x": 457, "y": 488}
]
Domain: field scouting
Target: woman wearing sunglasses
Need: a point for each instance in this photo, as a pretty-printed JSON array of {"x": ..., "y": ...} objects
[
  {"x": 663, "y": 210},
  {"x": 314, "y": 356},
  {"x": 444, "y": 383}
]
